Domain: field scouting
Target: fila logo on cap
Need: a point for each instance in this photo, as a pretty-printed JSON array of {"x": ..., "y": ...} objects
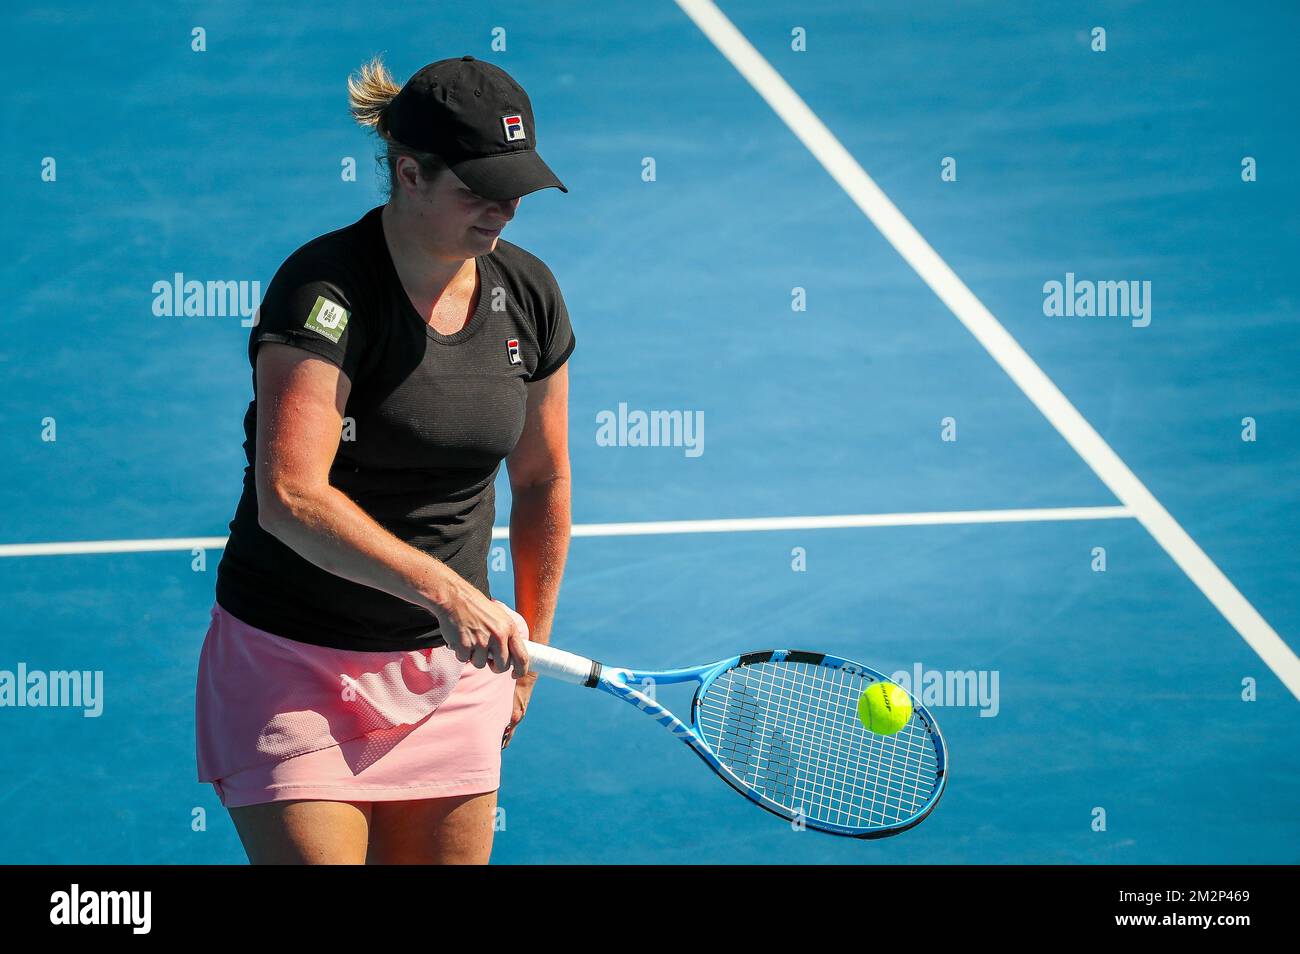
[
  {"x": 513, "y": 126},
  {"x": 512, "y": 349}
]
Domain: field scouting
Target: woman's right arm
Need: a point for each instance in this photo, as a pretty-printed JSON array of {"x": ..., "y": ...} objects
[{"x": 301, "y": 399}]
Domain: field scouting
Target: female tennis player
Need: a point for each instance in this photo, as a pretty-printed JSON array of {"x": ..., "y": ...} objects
[{"x": 358, "y": 682}]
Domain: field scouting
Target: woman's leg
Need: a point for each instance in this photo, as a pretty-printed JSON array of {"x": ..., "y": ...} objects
[
  {"x": 304, "y": 832},
  {"x": 433, "y": 831}
]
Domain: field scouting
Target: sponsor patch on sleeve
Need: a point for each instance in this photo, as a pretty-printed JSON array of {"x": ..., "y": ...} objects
[{"x": 328, "y": 318}]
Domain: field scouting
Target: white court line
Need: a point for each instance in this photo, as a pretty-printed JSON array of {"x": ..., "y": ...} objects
[
  {"x": 84, "y": 547},
  {"x": 847, "y": 520},
  {"x": 1003, "y": 348},
  {"x": 79, "y": 548}
]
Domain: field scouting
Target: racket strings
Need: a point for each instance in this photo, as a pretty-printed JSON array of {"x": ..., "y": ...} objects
[{"x": 790, "y": 732}]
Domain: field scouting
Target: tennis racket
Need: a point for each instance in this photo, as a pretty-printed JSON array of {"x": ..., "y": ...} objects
[{"x": 781, "y": 727}]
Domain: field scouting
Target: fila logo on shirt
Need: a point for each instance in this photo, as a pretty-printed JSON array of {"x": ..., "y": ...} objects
[
  {"x": 514, "y": 127},
  {"x": 512, "y": 350}
]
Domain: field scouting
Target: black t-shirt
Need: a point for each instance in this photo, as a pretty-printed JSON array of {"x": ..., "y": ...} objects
[{"x": 430, "y": 417}]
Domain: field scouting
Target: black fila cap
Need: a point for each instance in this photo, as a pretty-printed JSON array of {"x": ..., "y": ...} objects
[{"x": 479, "y": 120}]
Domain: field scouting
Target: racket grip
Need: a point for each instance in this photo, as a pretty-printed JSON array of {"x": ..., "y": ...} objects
[{"x": 565, "y": 666}]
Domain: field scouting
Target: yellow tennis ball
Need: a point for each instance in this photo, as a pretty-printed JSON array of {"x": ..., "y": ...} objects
[{"x": 884, "y": 708}]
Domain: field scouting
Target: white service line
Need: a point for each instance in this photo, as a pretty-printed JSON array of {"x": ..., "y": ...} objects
[
  {"x": 84, "y": 547},
  {"x": 1004, "y": 349},
  {"x": 835, "y": 522},
  {"x": 650, "y": 528}
]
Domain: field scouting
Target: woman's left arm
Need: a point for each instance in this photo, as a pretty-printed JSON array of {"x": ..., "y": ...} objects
[{"x": 539, "y": 515}]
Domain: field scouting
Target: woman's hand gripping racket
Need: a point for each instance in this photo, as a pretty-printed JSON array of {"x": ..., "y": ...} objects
[{"x": 781, "y": 727}]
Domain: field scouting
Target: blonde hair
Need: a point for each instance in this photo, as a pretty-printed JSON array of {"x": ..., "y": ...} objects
[{"x": 370, "y": 89}]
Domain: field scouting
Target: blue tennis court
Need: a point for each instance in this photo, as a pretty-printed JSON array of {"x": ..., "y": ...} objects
[{"x": 826, "y": 237}]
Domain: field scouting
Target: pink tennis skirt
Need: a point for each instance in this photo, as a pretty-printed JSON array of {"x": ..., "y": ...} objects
[{"x": 278, "y": 719}]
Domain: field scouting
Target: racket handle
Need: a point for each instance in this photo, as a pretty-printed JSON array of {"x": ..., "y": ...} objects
[{"x": 565, "y": 666}]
